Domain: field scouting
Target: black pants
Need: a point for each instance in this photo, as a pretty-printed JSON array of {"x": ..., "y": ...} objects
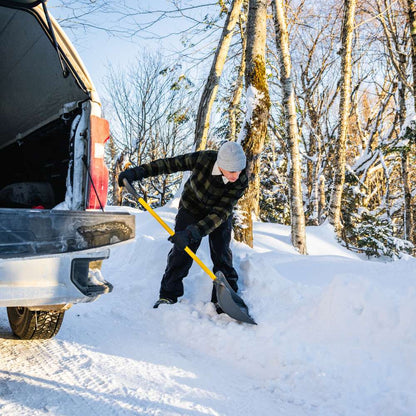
[{"x": 179, "y": 262}]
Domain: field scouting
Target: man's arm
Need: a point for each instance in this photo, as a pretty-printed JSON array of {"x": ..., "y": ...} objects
[
  {"x": 159, "y": 167},
  {"x": 170, "y": 165},
  {"x": 221, "y": 212}
]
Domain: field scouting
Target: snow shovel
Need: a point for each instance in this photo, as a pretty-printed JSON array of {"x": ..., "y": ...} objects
[{"x": 228, "y": 300}]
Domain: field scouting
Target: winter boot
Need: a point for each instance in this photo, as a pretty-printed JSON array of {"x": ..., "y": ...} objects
[{"x": 163, "y": 301}]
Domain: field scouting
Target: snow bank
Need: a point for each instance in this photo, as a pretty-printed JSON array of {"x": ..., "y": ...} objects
[
  {"x": 335, "y": 330},
  {"x": 335, "y": 333}
]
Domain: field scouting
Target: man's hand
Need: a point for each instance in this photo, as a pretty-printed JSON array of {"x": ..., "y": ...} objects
[
  {"x": 189, "y": 235},
  {"x": 132, "y": 174}
]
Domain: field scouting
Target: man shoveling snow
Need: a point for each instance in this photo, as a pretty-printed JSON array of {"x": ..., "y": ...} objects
[{"x": 218, "y": 180}]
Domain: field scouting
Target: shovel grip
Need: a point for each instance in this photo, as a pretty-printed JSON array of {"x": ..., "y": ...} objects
[
  {"x": 149, "y": 209},
  {"x": 171, "y": 232}
]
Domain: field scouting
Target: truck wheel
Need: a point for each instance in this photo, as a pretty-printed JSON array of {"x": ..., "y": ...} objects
[{"x": 27, "y": 324}]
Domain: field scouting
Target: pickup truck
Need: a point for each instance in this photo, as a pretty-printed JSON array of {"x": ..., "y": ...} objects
[{"x": 54, "y": 232}]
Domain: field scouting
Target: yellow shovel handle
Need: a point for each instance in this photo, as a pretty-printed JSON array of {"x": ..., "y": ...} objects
[{"x": 171, "y": 232}]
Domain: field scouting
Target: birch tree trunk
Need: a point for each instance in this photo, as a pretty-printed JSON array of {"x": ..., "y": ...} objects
[
  {"x": 238, "y": 90},
  {"x": 412, "y": 23},
  {"x": 254, "y": 130},
  {"x": 211, "y": 87},
  {"x": 344, "y": 109},
  {"x": 116, "y": 165},
  {"x": 289, "y": 109},
  {"x": 399, "y": 56},
  {"x": 117, "y": 191},
  {"x": 407, "y": 190},
  {"x": 322, "y": 200},
  {"x": 408, "y": 223}
]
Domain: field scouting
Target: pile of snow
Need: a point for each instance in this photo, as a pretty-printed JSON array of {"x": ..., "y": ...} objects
[{"x": 335, "y": 336}]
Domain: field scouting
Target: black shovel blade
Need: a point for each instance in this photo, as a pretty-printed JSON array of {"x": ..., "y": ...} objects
[{"x": 230, "y": 302}]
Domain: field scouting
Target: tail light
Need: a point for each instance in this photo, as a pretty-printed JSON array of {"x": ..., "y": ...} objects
[{"x": 98, "y": 172}]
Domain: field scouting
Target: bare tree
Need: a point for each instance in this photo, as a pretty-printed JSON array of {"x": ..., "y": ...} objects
[
  {"x": 211, "y": 87},
  {"x": 412, "y": 25},
  {"x": 411, "y": 12},
  {"x": 344, "y": 110},
  {"x": 397, "y": 42},
  {"x": 254, "y": 130},
  {"x": 131, "y": 19},
  {"x": 238, "y": 87},
  {"x": 152, "y": 112},
  {"x": 292, "y": 132},
  {"x": 314, "y": 93}
]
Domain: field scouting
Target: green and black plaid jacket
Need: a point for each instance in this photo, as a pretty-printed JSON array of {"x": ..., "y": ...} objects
[{"x": 206, "y": 196}]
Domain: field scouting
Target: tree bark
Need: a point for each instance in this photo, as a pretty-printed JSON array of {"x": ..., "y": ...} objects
[
  {"x": 254, "y": 130},
  {"x": 408, "y": 224},
  {"x": 407, "y": 190},
  {"x": 322, "y": 199},
  {"x": 211, "y": 87},
  {"x": 344, "y": 109},
  {"x": 238, "y": 91},
  {"x": 412, "y": 23},
  {"x": 292, "y": 132}
]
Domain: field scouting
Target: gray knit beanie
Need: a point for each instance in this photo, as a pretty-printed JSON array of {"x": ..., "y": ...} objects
[{"x": 231, "y": 157}]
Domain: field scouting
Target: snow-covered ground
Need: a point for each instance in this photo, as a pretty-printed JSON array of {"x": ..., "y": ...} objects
[{"x": 336, "y": 335}]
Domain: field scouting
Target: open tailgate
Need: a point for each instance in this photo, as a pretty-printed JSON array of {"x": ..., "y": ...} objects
[{"x": 31, "y": 232}]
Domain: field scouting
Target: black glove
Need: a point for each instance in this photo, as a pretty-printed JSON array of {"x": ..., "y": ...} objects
[
  {"x": 132, "y": 174},
  {"x": 189, "y": 235}
]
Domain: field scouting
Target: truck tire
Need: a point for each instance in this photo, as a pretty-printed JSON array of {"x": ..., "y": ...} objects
[{"x": 27, "y": 324}]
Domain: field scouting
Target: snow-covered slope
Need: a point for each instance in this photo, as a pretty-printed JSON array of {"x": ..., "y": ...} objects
[{"x": 335, "y": 336}]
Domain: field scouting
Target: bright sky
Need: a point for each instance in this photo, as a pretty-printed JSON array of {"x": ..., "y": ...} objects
[{"x": 98, "y": 49}]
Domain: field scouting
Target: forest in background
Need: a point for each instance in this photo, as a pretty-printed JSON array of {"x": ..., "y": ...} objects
[{"x": 322, "y": 96}]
